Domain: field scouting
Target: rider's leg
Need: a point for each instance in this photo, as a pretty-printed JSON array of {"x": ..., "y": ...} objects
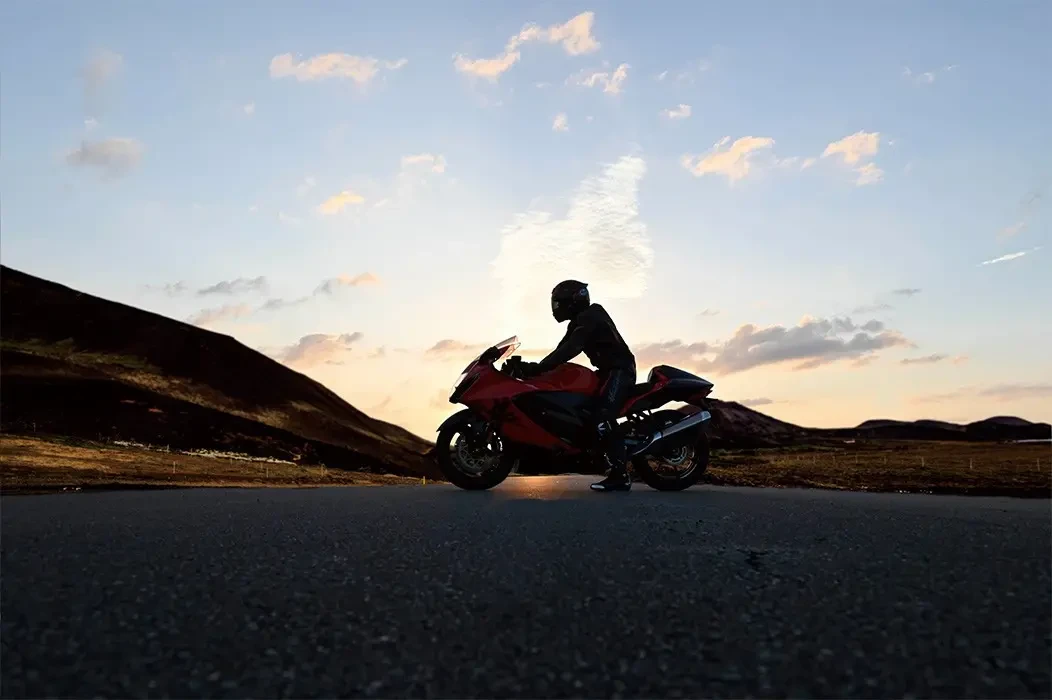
[{"x": 611, "y": 397}]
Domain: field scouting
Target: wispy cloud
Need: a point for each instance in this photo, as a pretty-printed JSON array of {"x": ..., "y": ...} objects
[
  {"x": 449, "y": 346},
  {"x": 995, "y": 392},
  {"x": 338, "y": 202},
  {"x": 680, "y": 111},
  {"x": 561, "y": 123},
  {"x": 235, "y": 286},
  {"x": 855, "y": 148},
  {"x": 872, "y": 308},
  {"x": 435, "y": 162},
  {"x": 732, "y": 162},
  {"x": 330, "y": 286},
  {"x": 575, "y": 35},
  {"x": 318, "y": 348},
  {"x": 114, "y": 156},
  {"x": 753, "y": 403},
  {"x": 1009, "y": 256},
  {"x": 610, "y": 81},
  {"x": 906, "y": 291},
  {"x": 289, "y": 219},
  {"x": 360, "y": 69},
  {"x": 306, "y": 186},
  {"x": 868, "y": 174},
  {"x": 209, "y": 317},
  {"x": 600, "y": 240},
  {"x": 100, "y": 69},
  {"x": 925, "y": 77},
  {"x": 249, "y": 108},
  {"x": 926, "y": 360},
  {"x": 709, "y": 312}
]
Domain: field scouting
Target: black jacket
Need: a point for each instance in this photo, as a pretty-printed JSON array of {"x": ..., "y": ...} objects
[{"x": 592, "y": 332}]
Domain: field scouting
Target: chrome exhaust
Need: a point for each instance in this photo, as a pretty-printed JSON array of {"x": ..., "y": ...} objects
[{"x": 685, "y": 424}]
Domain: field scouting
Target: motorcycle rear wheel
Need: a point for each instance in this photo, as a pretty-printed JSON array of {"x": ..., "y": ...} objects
[
  {"x": 687, "y": 460},
  {"x": 468, "y": 458}
]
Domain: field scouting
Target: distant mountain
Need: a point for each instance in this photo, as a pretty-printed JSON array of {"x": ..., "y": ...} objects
[
  {"x": 75, "y": 364},
  {"x": 740, "y": 426}
]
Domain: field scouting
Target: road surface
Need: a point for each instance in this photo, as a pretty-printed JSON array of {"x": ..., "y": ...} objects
[{"x": 538, "y": 588}]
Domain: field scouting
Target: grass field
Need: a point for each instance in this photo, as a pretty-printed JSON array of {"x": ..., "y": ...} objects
[
  {"x": 38, "y": 464},
  {"x": 1009, "y": 469},
  {"x": 35, "y": 464}
]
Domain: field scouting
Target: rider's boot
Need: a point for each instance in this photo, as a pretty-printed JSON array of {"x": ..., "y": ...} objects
[{"x": 617, "y": 478}]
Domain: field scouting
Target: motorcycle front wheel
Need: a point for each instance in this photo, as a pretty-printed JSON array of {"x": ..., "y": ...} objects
[{"x": 470, "y": 455}]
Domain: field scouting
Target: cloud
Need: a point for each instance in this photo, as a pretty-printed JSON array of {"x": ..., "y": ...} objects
[
  {"x": 808, "y": 162},
  {"x": 671, "y": 352},
  {"x": 90, "y": 124},
  {"x": 610, "y": 82},
  {"x": 752, "y": 403},
  {"x": 235, "y": 286},
  {"x": 733, "y": 162},
  {"x": 868, "y": 174},
  {"x": 810, "y": 344},
  {"x": 871, "y": 308},
  {"x": 681, "y": 111},
  {"x": 855, "y": 147},
  {"x": 209, "y": 317},
  {"x": 318, "y": 348},
  {"x": 330, "y": 286},
  {"x": 560, "y": 123},
  {"x": 575, "y": 35},
  {"x": 926, "y": 360},
  {"x": 115, "y": 156},
  {"x": 100, "y": 69},
  {"x": 288, "y": 219},
  {"x": 360, "y": 69},
  {"x": 278, "y": 304},
  {"x": 601, "y": 240},
  {"x": 709, "y": 312},
  {"x": 996, "y": 392},
  {"x": 906, "y": 291},
  {"x": 338, "y": 202},
  {"x": 925, "y": 77},
  {"x": 249, "y": 108},
  {"x": 436, "y": 163},
  {"x": 172, "y": 289},
  {"x": 449, "y": 346},
  {"x": 306, "y": 186},
  {"x": 1009, "y": 256},
  {"x": 661, "y": 76},
  {"x": 1009, "y": 231}
]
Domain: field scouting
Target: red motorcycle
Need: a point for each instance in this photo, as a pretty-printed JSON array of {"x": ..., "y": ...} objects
[{"x": 548, "y": 418}]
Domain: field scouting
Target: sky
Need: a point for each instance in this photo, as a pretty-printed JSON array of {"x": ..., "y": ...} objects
[{"x": 833, "y": 211}]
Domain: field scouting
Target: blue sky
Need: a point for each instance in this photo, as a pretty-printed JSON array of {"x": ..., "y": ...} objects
[{"x": 716, "y": 165}]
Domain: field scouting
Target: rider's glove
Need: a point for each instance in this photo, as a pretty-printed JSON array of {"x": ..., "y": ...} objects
[{"x": 527, "y": 370}]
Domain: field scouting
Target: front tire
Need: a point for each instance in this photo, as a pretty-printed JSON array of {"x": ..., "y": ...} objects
[
  {"x": 678, "y": 466},
  {"x": 470, "y": 455}
]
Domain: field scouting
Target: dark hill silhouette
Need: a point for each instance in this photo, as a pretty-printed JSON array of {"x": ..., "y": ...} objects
[
  {"x": 735, "y": 425},
  {"x": 75, "y": 364}
]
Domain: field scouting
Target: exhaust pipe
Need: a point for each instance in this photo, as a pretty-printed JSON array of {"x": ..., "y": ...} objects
[{"x": 685, "y": 424}]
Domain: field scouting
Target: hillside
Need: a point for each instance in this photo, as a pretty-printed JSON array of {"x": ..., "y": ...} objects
[{"x": 75, "y": 364}]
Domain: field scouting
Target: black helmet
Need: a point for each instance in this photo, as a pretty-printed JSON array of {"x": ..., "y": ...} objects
[{"x": 569, "y": 298}]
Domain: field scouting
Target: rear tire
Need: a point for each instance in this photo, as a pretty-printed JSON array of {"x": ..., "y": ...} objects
[
  {"x": 689, "y": 458},
  {"x": 458, "y": 461}
]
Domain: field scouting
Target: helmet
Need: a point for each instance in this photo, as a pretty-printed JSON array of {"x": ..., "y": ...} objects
[{"x": 569, "y": 298}]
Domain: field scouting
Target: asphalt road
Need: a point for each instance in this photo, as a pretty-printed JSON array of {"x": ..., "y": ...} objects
[{"x": 538, "y": 588}]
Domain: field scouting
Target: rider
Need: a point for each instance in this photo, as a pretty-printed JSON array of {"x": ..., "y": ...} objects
[{"x": 592, "y": 331}]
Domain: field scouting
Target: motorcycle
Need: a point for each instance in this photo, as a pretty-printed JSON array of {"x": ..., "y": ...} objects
[{"x": 511, "y": 420}]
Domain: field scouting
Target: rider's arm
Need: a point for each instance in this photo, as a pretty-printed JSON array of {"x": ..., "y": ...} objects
[{"x": 571, "y": 345}]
